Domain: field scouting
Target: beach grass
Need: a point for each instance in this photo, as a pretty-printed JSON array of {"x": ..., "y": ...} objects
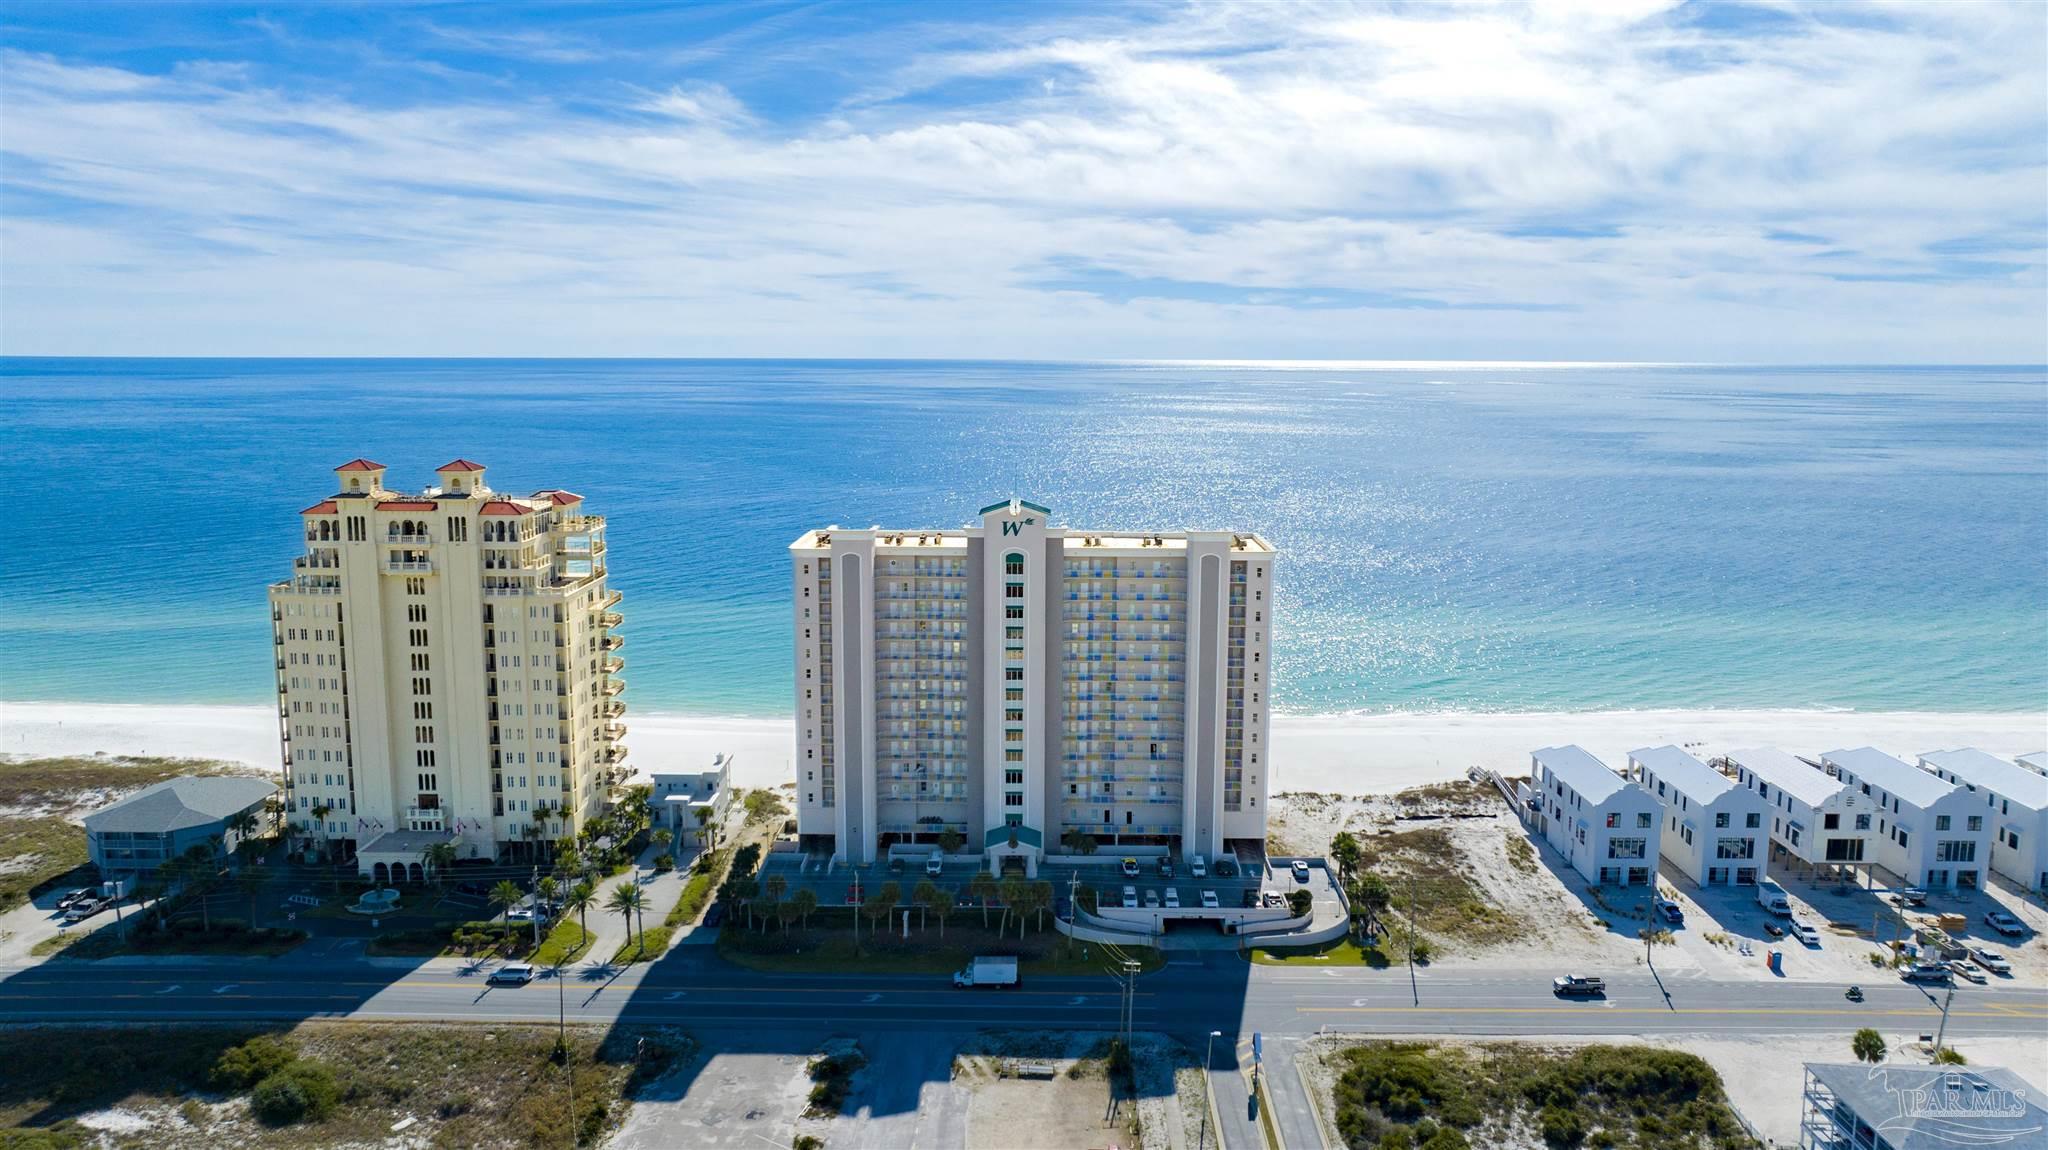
[{"x": 35, "y": 853}]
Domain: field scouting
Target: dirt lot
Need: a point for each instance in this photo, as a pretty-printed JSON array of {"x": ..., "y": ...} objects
[{"x": 1482, "y": 893}]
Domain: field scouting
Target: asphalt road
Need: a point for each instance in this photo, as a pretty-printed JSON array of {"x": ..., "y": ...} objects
[{"x": 1197, "y": 992}]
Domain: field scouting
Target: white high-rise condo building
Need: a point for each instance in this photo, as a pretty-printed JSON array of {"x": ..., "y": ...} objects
[
  {"x": 447, "y": 670},
  {"x": 1018, "y": 684}
]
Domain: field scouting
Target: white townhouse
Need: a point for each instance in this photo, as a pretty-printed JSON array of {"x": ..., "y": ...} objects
[
  {"x": 1713, "y": 828},
  {"x": 1815, "y": 817},
  {"x": 1605, "y": 824},
  {"x": 1930, "y": 832},
  {"x": 2017, "y": 801}
]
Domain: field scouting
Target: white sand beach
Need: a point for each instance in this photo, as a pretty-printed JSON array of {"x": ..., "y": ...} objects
[{"x": 1347, "y": 754}]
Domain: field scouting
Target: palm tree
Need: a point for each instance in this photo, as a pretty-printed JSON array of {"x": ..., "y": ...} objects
[
  {"x": 320, "y": 814},
  {"x": 922, "y": 894},
  {"x": 1370, "y": 896},
  {"x": 580, "y": 897},
  {"x": 626, "y": 899},
  {"x": 744, "y": 890},
  {"x": 664, "y": 839},
  {"x": 936, "y": 901},
  {"x": 505, "y": 896},
  {"x": 201, "y": 864},
  {"x": 1041, "y": 900},
  {"x": 982, "y": 887},
  {"x": 785, "y": 912},
  {"x": 706, "y": 832},
  {"x": 548, "y": 888},
  {"x": 775, "y": 887},
  {"x": 1012, "y": 893},
  {"x": 1867, "y": 1046},
  {"x": 805, "y": 901},
  {"x": 438, "y": 857},
  {"x": 251, "y": 881},
  {"x": 1345, "y": 850},
  {"x": 243, "y": 825},
  {"x": 950, "y": 841}
]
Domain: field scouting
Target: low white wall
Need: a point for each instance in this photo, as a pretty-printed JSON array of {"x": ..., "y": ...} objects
[
  {"x": 1330, "y": 933},
  {"x": 1096, "y": 934}
]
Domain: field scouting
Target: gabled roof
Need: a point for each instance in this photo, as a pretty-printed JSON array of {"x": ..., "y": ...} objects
[
  {"x": 1808, "y": 784},
  {"x": 1024, "y": 503},
  {"x": 180, "y": 803},
  {"x": 1991, "y": 773},
  {"x": 324, "y": 507},
  {"x": 1576, "y": 766},
  {"x": 1673, "y": 765},
  {"x": 360, "y": 465},
  {"x": 1904, "y": 780},
  {"x": 502, "y": 507},
  {"x": 458, "y": 465},
  {"x": 559, "y": 498},
  {"x": 406, "y": 505}
]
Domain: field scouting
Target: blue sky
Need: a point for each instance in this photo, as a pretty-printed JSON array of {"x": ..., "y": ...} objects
[{"x": 1627, "y": 180}]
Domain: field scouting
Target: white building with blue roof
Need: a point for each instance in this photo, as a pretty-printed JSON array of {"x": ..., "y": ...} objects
[
  {"x": 1604, "y": 823},
  {"x": 1713, "y": 827}
]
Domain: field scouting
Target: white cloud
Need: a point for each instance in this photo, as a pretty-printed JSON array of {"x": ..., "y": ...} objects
[{"x": 1617, "y": 163}]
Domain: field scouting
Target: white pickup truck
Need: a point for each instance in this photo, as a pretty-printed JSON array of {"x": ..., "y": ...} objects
[{"x": 987, "y": 971}]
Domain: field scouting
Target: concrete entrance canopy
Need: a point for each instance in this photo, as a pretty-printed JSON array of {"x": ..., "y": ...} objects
[
  {"x": 399, "y": 856},
  {"x": 1014, "y": 842}
]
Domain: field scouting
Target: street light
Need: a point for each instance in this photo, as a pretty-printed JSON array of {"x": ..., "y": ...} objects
[{"x": 1207, "y": 1100}]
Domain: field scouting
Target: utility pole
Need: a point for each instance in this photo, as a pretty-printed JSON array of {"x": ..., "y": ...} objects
[
  {"x": 1207, "y": 1047},
  {"x": 1414, "y": 988},
  {"x": 1943, "y": 1031},
  {"x": 536, "y": 907}
]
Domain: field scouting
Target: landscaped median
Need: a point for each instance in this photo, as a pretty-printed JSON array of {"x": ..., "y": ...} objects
[
  {"x": 827, "y": 945},
  {"x": 1343, "y": 952}
]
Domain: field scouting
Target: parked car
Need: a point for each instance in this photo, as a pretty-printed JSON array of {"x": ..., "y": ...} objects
[
  {"x": 1966, "y": 972},
  {"x": 1165, "y": 866},
  {"x": 1199, "y": 867},
  {"x": 1172, "y": 899},
  {"x": 519, "y": 914},
  {"x": 1273, "y": 898},
  {"x": 1226, "y": 867},
  {"x": 935, "y": 865},
  {"x": 1774, "y": 930},
  {"x": 1130, "y": 896},
  {"x": 1911, "y": 896},
  {"x": 71, "y": 897},
  {"x": 2004, "y": 923},
  {"x": 512, "y": 974},
  {"x": 1927, "y": 972},
  {"x": 1209, "y": 900},
  {"x": 1152, "y": 899},
  {"x": 1990, "y": 960},
  {"x": 1672, "y": 912},
  {"x": 1251, "y": 898},
  {"x": 1804, "y": 932},
  {"x": 1578, "y": 986},
  {"x": 83, "y": 909},
  {"x": 1130, "y": 868},
  {"x": 1300, "y": 871}
]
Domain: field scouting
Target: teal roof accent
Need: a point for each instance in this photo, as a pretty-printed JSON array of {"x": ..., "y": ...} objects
[
  {"x": 1026, "y": 836},
  {"x": 1021, "y": 503}
]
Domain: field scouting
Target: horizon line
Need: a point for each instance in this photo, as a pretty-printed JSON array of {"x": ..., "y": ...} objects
[{"x": 1214, "y": 362}]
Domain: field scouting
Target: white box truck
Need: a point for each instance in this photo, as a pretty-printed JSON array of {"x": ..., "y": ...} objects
[
  {"x": 1771, "y": 897},
  {"x": 986, "y": 971}
]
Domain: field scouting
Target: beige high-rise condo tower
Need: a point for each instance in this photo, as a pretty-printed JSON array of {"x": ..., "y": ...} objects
[
  {"x": 447, "y": 671},
  {"x": 1017, "y": 685}
]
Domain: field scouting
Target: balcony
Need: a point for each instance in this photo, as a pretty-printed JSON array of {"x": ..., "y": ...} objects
[
  {"x": 614, "y": 642},
  {"x": 614, "y": 709},
  {"x": 614, "y": 665},
  {"x": 613, "y": 687},
  {"x": 611, "y": 599},
  {"x": 613, "y": 732},
  {"x": 610, "y": 619}
]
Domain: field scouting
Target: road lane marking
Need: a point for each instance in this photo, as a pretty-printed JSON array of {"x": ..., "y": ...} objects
[
  {"x": 872, "y": 998},
  {"x": 673, "y": 995},
  {"x": 165, "y": 990},
  {"x": 1556, "y": 1011},
  {"x": 225, "y": 989}
]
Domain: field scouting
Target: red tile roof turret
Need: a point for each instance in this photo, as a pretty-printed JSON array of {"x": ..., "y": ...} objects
[{"x": 360, "y": 465}]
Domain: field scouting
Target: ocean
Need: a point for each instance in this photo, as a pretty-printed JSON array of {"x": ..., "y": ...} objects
[{"x": 1476, "y": 537}]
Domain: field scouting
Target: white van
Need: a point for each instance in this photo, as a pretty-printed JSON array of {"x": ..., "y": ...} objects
[
  {"x": 935, "y": 865},
  {"x": 1199, "y": 867}
]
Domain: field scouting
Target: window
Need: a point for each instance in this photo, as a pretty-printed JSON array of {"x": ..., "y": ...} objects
[
  {"x": 1013, "y": 674},
  {"x": 1013, "y": 612},
  {"x": 1941, "y": 822},
  {"x": 1014, "y": 778},
  {"x": 1976, "y": 822},
  {"x": 1013, "y": 564},
  {"x": 1013, "y": 694},
  {"x": 1013, "y": 755},
  {"x": 1755, "y": 820},
  {"x": 1013, "y": 800},
  {"x": 1613, "y": 819},
  {"x": 1721, "y": 820},
  {"x": 1831, "y": 822},
  {"x": 1013, "y": 714},
  {"x": 1644, "y": 820},
  {"x": 1015, "y": 591},
  {"x": 1862, "y": 822}
]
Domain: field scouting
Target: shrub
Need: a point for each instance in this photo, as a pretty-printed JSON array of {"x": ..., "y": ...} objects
[
  {"x": 663, "y": 864},
  {"x": 1561, "y": 1127},
  {"x": 806, "y": 1142},
  {"x": 300, "y": 1092},
  {"x": 1300, "y": 903},
  {"x": 240, "y": 1067}
]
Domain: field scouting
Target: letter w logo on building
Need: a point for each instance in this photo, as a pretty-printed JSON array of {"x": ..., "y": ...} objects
[{"x": 1017, "y": 528}]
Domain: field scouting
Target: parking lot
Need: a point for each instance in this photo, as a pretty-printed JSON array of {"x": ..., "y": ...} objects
[{"x": 833, "y": 885}]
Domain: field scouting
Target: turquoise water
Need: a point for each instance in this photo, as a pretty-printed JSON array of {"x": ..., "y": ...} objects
[{"x": 1473, "y": 538}]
